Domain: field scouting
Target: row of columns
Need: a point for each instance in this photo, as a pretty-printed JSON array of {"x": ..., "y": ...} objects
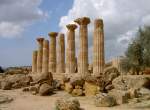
[{"x": 44, "y": 60}]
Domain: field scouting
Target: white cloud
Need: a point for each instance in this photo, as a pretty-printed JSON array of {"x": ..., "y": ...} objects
[
  {"x": 121, "y": 20},
  {"x": 8, "y": 29},
  {"x": 17, "y": 14}
]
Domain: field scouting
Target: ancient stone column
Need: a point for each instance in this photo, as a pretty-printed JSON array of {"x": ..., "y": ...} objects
[
  {"x": 70, "y": 53},
  {"x": 61, "y": 54},
  {"x": 40, "y": 54},
  {"x": 116, "y": 62},
  {"x": 52, "y": 52},
  {"x": 83, "y": 52},
  {"x": 98, "y": 48},
  {"x": 45, "y": 56},
  {"x": 34, "y": 61}
]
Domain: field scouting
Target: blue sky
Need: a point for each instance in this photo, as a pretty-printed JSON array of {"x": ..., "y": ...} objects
[
  {"x": 22, "y": 21},
  {"x": 18, "y": 50}
]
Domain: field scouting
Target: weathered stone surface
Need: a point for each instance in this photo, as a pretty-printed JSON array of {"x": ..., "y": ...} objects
[
  {"x": 22, "y": 82},
  {"x": 134, "y": 93},
  {"x": 45, "y": 77},
  {"x": 14, "y": 78},
  {"x": 33, "y": 92},
  {"x": 52, "y": 52},
  {"x": 134, "y": 101},
  {"x": 104, "y": 80},
  {"x": 78, "y": 87},
  {"x": 66, "y": 78},
  {"x": 17, "y": 70},
  {"x": 67, "y": 104},
  {"x": 70, "y": 51},
  {"x": 18, "y": 78},
  {"x": 104, "y": 100},
  {"x": 5, "y": 99},
  {"x": 97, "y": 81},
  {"x": 127, "y": 82},
  {"x": 57, "y": 84},
  {"x": 26, "y": 89},
  {"x": 77, "y": 92},
  {"x": 68, "y": 87},
  {"x": 15, "y": 81},
  {"x": 45, "y": 89},
  {"x": 77, "y": 80},
  {"x": 145, "y": 97},
  {"x": 109, "y": 87},
  {"x": 34, "y": 89},
  {"x": 61, "y": 54},
  {"x": 91, "y": 89},
  {"x": 144, "y": 91},
  {"x": 40, "y": 54},
  {"x": 110, "y": 74},
  {"x": 93, "y": 79},
  {"x": 98, "y": 47},
  {"x": 83, "y": 52},
  {"x": 6, "y": 85},
  {"x": 17, "y": 85},
  {"x": 120, "y": 96},
  {"x": 1, "y": 79},
  {"x": 34, "y": 61},
  {"x": 45, "y": 59}
]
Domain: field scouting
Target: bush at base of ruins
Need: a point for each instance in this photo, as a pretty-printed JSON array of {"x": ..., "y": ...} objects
[
  {"x": 104, "y": 100},
  {"x": 67, "y": 104},
  {"x": 91, "y": 89}
]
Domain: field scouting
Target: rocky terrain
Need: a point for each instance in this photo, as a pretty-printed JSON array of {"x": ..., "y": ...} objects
[
  {"x": 27, "y": 101},
  {"x": 74, "y": 92}
]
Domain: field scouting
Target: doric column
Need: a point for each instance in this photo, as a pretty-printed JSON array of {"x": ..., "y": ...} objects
[
  {"x": 52, "y": 52},
  {"x": 61, "y": 54},
  {"x": 34, "y": 61},
  {"x": 40, "y": 54},
  {"x": 70, "y": 53},
  {"x": 45, "y": 56},
  {"x": 98, "y": 49},
  {"x": 83, "y": 52}
]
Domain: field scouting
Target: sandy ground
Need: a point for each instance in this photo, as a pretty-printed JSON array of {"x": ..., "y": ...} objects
[{"x": 26, "y": 101}]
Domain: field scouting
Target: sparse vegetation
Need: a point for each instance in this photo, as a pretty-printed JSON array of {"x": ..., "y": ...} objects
[
  {"x": 1, "y": 70},
  {"x": 137, "y": 55}
]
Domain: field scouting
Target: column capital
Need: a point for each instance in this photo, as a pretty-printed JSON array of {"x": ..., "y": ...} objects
[
  {"x": 71, "y": 26},
  {"x": 98, "y": 23},
  {"x": 53, "y": 34},
  {"x": 40, "y": 39},
  {"x": 61, "y": 36},
  {"x": 46, "y": 43},
  {"x": 82, "y": 21},
  {"x": 35, "y": 51}
]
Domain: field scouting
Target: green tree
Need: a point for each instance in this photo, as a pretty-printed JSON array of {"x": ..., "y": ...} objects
[{"x": 137, "y": 55}]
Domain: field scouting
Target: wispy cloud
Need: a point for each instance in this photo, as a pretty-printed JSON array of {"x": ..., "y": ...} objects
[
  {"x": 121, "y": 20},
  {"x": 16, "y": 15}
]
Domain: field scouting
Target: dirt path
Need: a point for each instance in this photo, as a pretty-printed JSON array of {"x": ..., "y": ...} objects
[{"x": 26, "y": 101}]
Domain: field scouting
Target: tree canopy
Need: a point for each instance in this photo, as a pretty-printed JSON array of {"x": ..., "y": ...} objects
[{"x": 137, "y": 55}]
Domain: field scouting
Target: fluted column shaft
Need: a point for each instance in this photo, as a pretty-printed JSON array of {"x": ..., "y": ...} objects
[
  {"x": 98, "y": 49},
  {"x": 45, "y": 56},
  {"x": 52, "y": 52},
  {"x": 70, "y": 53},
  {"x": 83, "y": 54},
  {"x": 61, "y": 54},
  {"x": 40, "y": 54},
  {"x": 34, "y": 61}
]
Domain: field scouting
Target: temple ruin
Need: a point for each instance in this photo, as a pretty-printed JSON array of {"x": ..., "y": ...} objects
[{"x": 49, "y": 58}]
